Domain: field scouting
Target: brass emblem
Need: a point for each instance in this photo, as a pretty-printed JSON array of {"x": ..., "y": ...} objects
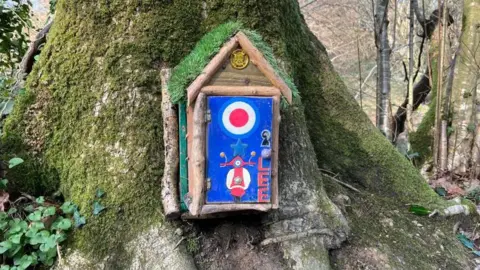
[{"x": 239, "y": 59}]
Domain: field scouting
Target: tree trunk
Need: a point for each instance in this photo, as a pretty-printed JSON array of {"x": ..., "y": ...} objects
[
  {"x": 92, "y": 114},
  {"x": 463, "y": 143},
  {"x": 383, "y": 69}
]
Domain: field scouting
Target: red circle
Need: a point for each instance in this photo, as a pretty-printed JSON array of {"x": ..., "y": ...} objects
[{"x": 238, "y": 118}]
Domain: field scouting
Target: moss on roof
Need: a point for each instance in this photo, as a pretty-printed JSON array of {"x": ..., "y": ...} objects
[{"x": 193, "y": 64}]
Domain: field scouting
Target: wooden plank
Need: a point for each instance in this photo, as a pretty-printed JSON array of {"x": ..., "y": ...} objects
[
  {"x": 249, "y": 76},
  {"x": 182, "y": 137},
  {"x": 257, "y": 58},
  {"x": 169, "y": 191},
  {"x": 194, "y": 89},
  {"x": 212, "y": 210},
  {"x": 275, "y": 144},
  {"x": 198, "y": 154},
  {"x": 215, "y": 90}
]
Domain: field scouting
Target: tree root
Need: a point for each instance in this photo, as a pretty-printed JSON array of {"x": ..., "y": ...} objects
[{"x": 296, "y": 236}]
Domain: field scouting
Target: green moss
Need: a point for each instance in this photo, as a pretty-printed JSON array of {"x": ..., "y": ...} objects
[
  {"x": 93, "y": 99},
  {"x": 422, "y": 139},
  {"x": 192, "y": 65}
]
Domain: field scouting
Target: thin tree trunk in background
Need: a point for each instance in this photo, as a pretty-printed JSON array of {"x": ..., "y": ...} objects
[
  {"x": 383, "y": 69},
  {"x": 438, "y": 110},
  {"x": 410, "y": 68},
  {"x": 359, "y": 73}
]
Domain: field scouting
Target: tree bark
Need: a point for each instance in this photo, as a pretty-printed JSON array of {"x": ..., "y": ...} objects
[
  {"x": 94, "y": 101},
  {"x": 463, "y": 143},
  {"x": 383, "y": 69}
]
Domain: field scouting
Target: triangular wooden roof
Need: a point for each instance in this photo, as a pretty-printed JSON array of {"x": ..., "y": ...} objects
[{"x": 256, "y": 58}]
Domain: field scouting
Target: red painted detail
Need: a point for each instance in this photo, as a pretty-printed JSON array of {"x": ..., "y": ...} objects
[
  {"x": 238, "y": 117},
  {"x": 239, "y": 189}
]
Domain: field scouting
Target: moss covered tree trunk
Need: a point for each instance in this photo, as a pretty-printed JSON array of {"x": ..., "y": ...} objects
[
  {"x": 464, "y": 147},
  {"x": 91, "y": 117}
]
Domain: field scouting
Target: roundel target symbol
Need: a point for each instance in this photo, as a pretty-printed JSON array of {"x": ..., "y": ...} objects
[{"x": 239, "y": 118}]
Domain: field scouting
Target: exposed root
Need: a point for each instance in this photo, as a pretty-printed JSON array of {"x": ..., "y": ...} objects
[{"x": 296, "y": 236}]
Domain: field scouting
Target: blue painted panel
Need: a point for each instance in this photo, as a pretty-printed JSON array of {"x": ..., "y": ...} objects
[{"x": 238, "y": 149}]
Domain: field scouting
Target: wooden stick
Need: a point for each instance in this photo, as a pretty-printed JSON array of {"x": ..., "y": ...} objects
[
  {"x": 198, "y": 155},
  {"x": 169, "y": 191},
  {"x": 215, "y": 90},
  {"x": 258, "y": 59},
  {"x": 208, "y": 210},
  {"x": 275, "y": 142},
  {"x": 194, "y": 89}
]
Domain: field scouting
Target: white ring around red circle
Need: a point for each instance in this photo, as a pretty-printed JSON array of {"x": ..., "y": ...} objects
[{"x": 242, "y": 129}]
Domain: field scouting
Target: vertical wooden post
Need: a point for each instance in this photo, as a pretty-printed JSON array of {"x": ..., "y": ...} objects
[
  {"x": 198, "y": 154},
  {"x": 169, "y": 190},
  {"x": 275, "y": 143}
]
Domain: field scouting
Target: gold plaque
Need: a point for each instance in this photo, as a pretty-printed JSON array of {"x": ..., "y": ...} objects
[{"x": 239, "y": 59}]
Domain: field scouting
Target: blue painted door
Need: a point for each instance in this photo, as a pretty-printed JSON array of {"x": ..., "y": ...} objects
[{"x": 239, "y": 137}]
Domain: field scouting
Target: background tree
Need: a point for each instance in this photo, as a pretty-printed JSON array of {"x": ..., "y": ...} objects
[{"x": 91, "y": 119}]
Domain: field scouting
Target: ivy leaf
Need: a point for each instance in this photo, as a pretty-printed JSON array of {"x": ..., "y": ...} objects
[
  {"x": 68, "y": 207},
  {"x": 99, "y": 193},
  {"x": 60, "y": 237},
  {"x": 14, "y": 162},
  {"x": 35, "y": 216},
  {"x": 15, "y": 238},
  {"x": 419, "y": 210},
  {"x": 50, "y": 243},
  {"x": 4, "y": 246},
  {"x": 12, "y": 211},
  {"x": 62, "y": 223},
  {"x": 40, "y": 238},
  {"x": 25, "y": 261},
  {"x": 17, "y": 225},
  {"x": 40, "y": 200},
  {"x": 49, "y": 211},
  {"x": 97, "y": 208},
  {"x": 79, "y": 220}
]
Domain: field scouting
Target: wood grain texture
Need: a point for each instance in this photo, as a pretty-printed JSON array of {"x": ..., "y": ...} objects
[
  {"x": 212, "y": 210},
  {"x": 194, "y": 89},
  {"x": 249, "y": 76},
  {"x": 257, "y": 58},
  {"x": 169, "y": 191},
  {"x": 198, "y": 154},
  {"x": 275, "y": 144},
  {"x": 216, "y": 90}
]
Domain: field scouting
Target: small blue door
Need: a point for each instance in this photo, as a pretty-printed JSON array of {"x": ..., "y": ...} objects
[{"x": 239, "y": 137}]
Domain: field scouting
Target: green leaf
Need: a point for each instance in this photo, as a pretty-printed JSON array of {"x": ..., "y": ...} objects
[
  {"x": 17, "y": 225},
  {"x": 97, "y": 208},
  {"x": 50, "y": 243},
  {"x": 49, "y": 211},
  {"x": 3, "y": 184},
  {"x": 36, "y": 57},
  {"x": 99, "y": 193},
  {"x": 60, "y": 237},
  {"x": 441, "y": 191},
  {"x": 419, "y": 210},
  {"x": 4, "y": 267},
  {"x": 14, "y": 162},
  {"x": 40, "y": 238},
  {"x": 12, "y": 211},
  {"x": 25, "y": 261},
  {"x": 79, "y": 220},
  {"x": 14, "y": 250},
  {"x": 15, "y": 238},
  {"x": 40, "y": 200},
  {"x": 35, "y": 216},
  {"x": 29, "y": 208},
  {"x": 68, "y": 207},
  {"x": 62, "y": 223},
  {"x": 4, "y": 246}
]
